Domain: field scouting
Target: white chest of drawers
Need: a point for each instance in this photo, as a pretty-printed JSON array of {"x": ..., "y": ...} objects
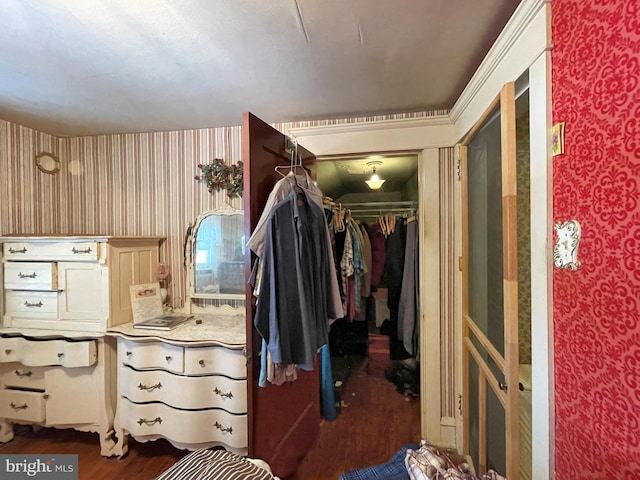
[
  {"x": 187, "y": 385},
  {"x": 59, "y": 296}
]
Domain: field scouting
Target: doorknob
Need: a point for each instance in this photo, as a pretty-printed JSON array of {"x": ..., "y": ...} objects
[{"x": 502, "y": 386}]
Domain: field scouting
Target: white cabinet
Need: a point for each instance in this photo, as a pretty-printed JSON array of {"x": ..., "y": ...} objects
[
  {"x": 59, "y": 297},
  {"x": 187, "y": 385},
  {"x": 73, "y": 283},
  {"x": 55, "y": 383}
]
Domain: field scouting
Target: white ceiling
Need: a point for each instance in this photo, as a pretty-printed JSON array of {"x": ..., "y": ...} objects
[
  {"x": 337, "y": 177},
  {"x": 86, "y": 67}
]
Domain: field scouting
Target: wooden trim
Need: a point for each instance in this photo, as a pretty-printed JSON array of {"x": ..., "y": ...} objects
[
  {"x": 449, "y": 263},
  {"x": 525, "y": 37},
  {"x": 509, "y": 364},
  {"x": 482, "y": 423},
  {"x": 486, "y": 372},
  {"x": 430, "y": 308},
  {"x": 464, "y": 330},
  {"x": 542, "y": 355},
  {"x": 510, "y": 275},
  {"x": 495, "y": 103},
  {"x": 486, "y": 344}
]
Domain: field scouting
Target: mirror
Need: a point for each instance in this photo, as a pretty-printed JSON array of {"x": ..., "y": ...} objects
[
  {"x": 215, "y": 255},
  {"x": 47, "y": 163}
]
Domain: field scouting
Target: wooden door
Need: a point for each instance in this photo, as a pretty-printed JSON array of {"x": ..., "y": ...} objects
[
  {"x": 490, "y": 290},
  {"x": 284, "y": 421}
]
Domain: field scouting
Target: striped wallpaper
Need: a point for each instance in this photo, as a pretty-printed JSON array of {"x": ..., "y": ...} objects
[
  {"x": 131, "y": 184},
  {"x": 134, "y": 184},
  {"x": 142, "y": 184}
]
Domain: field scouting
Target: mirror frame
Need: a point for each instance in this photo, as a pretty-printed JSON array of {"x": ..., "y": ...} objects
[
  {"x": 190, "y": 248},
  {"x": 47, "y": 163}
]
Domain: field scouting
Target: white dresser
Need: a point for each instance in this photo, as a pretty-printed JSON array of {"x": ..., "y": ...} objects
[
  {"x": 59, "y": 296},
  {"x": 187, "y": 385}
]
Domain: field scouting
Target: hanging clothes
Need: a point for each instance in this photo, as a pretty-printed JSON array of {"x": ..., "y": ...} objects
[
  {"x": 280, "y": 191},
  {"x": 293, "y": 308},
  {"x": 378, "y": 254},
  {"x": 408, "y": 306},
  {"x": 393, "y": 273},
  {"x": 353, "y": 267},
  {"x": 368, "y": 262}
]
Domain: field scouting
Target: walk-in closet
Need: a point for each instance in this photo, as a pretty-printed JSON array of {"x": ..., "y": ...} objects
[{"x": 371, "y": 204}]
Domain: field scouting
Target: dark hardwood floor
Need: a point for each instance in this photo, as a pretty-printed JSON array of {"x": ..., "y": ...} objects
[
  {"x": 144, "y": 461},
  {"x": 374, "y": 421}
]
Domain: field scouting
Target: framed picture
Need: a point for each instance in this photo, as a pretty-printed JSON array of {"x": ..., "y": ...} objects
[{"x": 557, "y": 139}]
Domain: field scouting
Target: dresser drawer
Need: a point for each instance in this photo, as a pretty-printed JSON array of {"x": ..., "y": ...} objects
[
  {"x": 150, "y": 355},
  {"x": 184, "y": 426},
  {"x": 55, "y": 251},
  {"x": 16, "y": 375},
  {"x": 19, "y": 405},
  {"x": 40, "y": 304},
  {"x": 221, "y": 360},
  {"x": 30, "y": 276},
  {"x": 211, "y": 391},
  {"x": 36, "y": 353}
]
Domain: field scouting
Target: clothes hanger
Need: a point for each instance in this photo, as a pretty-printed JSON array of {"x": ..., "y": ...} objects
[{"x": 387, "y": 224}]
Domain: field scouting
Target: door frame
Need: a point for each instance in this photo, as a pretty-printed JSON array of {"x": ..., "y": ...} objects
[
  {"x": 523, "y": 45},
  {"x": 508, "y": 361}
]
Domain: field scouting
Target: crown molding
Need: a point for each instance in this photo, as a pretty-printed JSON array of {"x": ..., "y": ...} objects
[
  {"x": 521, "y": 19},
  {"x": 359, "y": 127}
]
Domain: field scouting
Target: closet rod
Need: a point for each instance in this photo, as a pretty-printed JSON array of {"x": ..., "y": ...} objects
[
  {"x": 380, "y": 211},
  {"x": 379, "y": 205}
]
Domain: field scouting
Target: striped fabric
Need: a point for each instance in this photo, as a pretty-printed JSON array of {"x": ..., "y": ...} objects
[{"x": 215, "y": 465}]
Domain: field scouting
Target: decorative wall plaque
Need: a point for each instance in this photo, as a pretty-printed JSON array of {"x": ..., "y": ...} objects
[
  {"x": 47, "y": 163},
  {"x": 565, "y": 252}
]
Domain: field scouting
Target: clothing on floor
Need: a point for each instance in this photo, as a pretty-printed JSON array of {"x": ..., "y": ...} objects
[{"x": 393, "y": 469}]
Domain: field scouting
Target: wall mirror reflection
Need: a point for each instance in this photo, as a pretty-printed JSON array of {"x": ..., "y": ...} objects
[{"x": 215, "y": 255}]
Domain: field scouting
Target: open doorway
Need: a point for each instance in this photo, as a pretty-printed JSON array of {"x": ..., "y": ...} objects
[{"x": 376, "y": 196}]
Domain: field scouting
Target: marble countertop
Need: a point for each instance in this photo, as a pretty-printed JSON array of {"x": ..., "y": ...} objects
[{"x": 202, "y": 329}]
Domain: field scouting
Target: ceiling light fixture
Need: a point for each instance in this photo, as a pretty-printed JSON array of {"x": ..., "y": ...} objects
[{"x": 375, "y": 182}]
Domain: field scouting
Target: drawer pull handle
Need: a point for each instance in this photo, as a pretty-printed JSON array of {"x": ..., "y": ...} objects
[
  {"x": 168, "y": 358},
  {"x": 60, "y": 356},
  {"x": 129, "y": 354},
  {"x": 8, "y": 351},
  {"x": 201, "y": 362},
  {"x": 38, "y": 305},
  {"x": 151, "y": 388},
  {"x": 223, "y": 429},
  {"x": 79, "y": 250},
  {"x": 24, "y": 406},
  {"x": 19, "y": 373},
  {"x": 18, "y": 250},
  {"x": 217, "y": 391},
  {"x": 149, "y": 422},
  {"x": 27, "y": 275}
]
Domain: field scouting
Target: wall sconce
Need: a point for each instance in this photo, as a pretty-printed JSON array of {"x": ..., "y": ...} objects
[{"x": 375, "y": 182}]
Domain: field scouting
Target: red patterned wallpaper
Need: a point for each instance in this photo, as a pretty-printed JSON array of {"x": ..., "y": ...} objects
[{"x": 596, "y": 91}]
